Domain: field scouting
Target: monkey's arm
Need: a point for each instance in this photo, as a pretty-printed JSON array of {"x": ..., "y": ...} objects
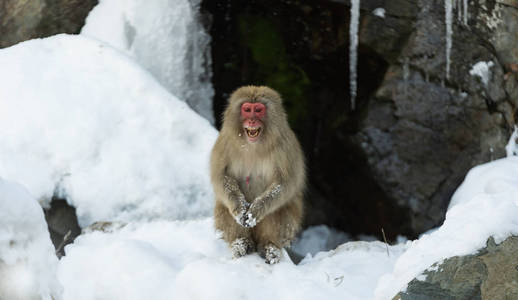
[
  {"x": 226, "y": 188},
  {"x": 235, "y": 199}
]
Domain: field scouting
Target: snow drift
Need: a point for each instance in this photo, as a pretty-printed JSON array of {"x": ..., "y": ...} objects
[
  {"x": 81, "y": 120},
  {"x": 28, "y": 264},
  {"x": 188, "y": 260}
]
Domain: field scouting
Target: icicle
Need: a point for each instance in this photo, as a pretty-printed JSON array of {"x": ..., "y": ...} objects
[
  {"x": 465, "y": 14},
  {"x": 353, "y": 50},
  {"x": 449, "y": 32},
  {"x": 458, "y": 7},
  {"x": 406, "y": 74}
]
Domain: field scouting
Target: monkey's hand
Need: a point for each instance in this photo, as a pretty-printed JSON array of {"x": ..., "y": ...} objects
[
  {"x": 254, "y": 213},
  {"x": 240, "y": 211},
  {"x": 262, "y": 205}
]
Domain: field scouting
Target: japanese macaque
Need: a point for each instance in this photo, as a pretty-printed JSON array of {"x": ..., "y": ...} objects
[{"x": 258, "y": 175}]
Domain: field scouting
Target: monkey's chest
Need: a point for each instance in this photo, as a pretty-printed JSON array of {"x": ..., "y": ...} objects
[{"x": 253, "y": 181}]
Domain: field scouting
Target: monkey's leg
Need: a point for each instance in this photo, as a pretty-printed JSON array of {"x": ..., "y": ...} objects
[
  {"x": 277, "y": 230},
  {"x": 238, "y": 237}
]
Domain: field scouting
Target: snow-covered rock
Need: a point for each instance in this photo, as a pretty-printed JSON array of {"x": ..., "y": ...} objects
[
  {"x": 27, "y": 261},
  {"x": 81, "y": 119},
  {"x": 165, "y": 37},
  {"x": 485, "y": 205}
]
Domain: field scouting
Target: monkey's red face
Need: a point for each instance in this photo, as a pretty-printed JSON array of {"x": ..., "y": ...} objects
[{"x": 252, "y": 115}]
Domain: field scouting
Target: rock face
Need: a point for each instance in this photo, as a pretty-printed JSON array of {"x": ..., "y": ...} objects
[
  {"x": 490, "y": 274},
  {"x": 395, "y": 161},
  {"x": 21, "y": 20},
  {"x": 423, "y": 130}
]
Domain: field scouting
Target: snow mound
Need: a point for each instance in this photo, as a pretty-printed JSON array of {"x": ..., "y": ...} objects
[
  {"x": 166, "y": 38},
  {"x": 80, "y": 119},
  {"x": 28, "y": 264},
  {"x": 485, "y": 205},
  {"x": 188, "y": 260}
]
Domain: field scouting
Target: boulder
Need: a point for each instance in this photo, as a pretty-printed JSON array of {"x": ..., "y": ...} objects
[
  {"x": 22, "y": 20},
  {"x": 492, "y": 273},
  {"x": 423, "y": 128}
]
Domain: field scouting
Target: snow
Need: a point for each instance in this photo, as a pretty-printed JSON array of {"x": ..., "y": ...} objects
[
  {"x": 188, "y": 260},
  {"x": 379, "y": 12},
  {"x": 319, "y": 238},
  {"x": 82, "y": 120},
  {"x": 512, "y": 147},
  {"x": 353, "y": 50},
  {"x": 482, "y": 69},
  {"x": 166, "y": 38},
  {"x": 28, "y": 264}
]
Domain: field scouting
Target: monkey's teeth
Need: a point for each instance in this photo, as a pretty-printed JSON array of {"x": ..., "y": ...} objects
[{"x": 253, "y": 131}]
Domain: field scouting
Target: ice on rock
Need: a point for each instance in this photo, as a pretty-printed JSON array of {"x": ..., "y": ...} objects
[
  {"x": 28, "y": 264},
  {"x": 379, "y": 12},
  {"x": 482, "y": 69},
  {"x": 165, "y": 37},
  {"x": 80, "y": 118},
  {"x": 512, "y": 147},
  {"x": 448, "y": 9}
]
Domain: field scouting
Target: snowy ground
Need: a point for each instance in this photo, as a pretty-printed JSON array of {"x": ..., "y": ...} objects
[{"x": 83, "y": 120}]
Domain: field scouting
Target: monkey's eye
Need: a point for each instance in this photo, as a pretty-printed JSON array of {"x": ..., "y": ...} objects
[
  {"x": 247, "y": 109},
  {"x": 258, "y": 110}
]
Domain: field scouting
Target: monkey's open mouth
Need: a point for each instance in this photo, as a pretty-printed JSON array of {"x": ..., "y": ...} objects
[{"x": 253, "y": 132}]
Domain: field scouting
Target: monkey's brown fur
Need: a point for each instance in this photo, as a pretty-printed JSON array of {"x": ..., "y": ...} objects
[{"x": 273, "y": 195}]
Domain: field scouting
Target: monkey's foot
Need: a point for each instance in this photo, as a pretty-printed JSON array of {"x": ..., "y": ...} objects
[
  {"x": 272, "y": 254},
  {"x": 241, "y": 247}
]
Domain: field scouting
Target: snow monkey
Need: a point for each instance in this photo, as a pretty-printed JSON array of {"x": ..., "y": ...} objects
[{"x": 258, "y": 175}]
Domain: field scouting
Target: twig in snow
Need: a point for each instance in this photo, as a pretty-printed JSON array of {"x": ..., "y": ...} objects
[
  {"x": 338, "y": 280},
  {"x": 65, "y": 240},
  {"x": 385, "y": 239}
]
